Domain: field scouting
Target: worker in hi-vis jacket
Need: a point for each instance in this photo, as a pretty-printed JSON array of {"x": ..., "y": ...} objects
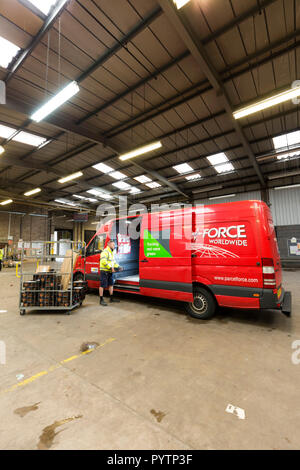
[{"x": 107, "y": 267}]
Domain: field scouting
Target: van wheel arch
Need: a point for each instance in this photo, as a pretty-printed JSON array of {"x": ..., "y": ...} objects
[
  {"x": 204, "y": 304},
  {"x": 78, "y": 276}
]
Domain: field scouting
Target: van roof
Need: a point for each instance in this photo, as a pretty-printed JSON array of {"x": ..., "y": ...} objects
[{"x": 219, "y": 207}]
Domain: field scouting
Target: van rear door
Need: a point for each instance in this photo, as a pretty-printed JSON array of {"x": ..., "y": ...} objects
[{"x": 165, "y": 255}]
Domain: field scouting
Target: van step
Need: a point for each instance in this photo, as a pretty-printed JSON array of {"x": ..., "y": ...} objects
[{"x": 127, "y": 287}]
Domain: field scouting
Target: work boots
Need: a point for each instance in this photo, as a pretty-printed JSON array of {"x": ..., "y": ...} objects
[{"x": 102, "y": 302}]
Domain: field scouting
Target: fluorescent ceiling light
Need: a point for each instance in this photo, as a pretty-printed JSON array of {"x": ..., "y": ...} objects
[
  {"x": 222, "y": 197},
  {"x": 103, "y": 168},
  {"x": 196, "y": 176},
  {"x": 85, "y": 198},
  {"x": 143, "y": 179},
  {"x": 43, "y": 5},
  {"x": 2, "y": 149},
  {"x": 32, "y": 192},
  {"x": 153, "y": 185},
  {"x": 287, "y": 187},
  {"x": 70, "y": 177},
  {"x": 22, "y": 137},
  {"x": 64, "y": 95},
  {"x": 141, "y": 151},
  {"x": 4, "y": 203},
  {"x": 183, "y": 168},
  {"x": 38, "y": 215},
  {"x": 8, "y": 51},
  {"x": 65, "y": 201},
  {"x": 117, "y": 175},
  {"x": 225, "y": 168},
  {"x": 122, "y": 185},
  {"x": 267, "y": 103},
  {"x": 180, "y": 3},
  {"x": 217, "y": 158},
  {"x": 100, "y": 194}
]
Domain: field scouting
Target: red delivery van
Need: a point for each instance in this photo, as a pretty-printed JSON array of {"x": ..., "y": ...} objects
[{"x": 206, "y": 256}]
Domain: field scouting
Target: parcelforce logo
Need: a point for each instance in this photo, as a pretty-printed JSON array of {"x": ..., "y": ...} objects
[
  {"x": 234, "y": 235},
  {"x": 233, "y": 232}
]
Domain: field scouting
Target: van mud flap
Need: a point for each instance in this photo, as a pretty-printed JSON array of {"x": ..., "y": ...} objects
[{"x": 286, "y": 306}]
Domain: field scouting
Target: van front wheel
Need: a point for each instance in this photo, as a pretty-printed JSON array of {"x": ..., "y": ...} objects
[{"x": 203, "y": 306}]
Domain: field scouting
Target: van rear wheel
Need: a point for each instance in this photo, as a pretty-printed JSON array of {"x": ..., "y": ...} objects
[{"x": 203, "y": 306}]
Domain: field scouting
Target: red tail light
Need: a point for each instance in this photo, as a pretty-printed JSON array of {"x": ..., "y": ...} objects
[{"x": 268, "y": 273}]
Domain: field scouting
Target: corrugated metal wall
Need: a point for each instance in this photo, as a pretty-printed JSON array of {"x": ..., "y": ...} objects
[
  {"x": 285, "y": 206},
  {"x": 238, "y": 197}
]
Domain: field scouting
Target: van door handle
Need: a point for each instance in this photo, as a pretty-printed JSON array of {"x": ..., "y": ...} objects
[{"x": 145, "y": 261}]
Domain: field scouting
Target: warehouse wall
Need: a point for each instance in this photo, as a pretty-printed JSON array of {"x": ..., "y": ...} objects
[
  {"x": 23, "y": 226},
  {"x": 285, "y": 206}
]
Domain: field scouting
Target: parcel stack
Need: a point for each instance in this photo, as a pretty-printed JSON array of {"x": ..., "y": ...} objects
[{"x": 46, "y": 289}]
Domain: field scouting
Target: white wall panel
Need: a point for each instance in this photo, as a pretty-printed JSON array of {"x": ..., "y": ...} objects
[{"x": 285, "y": 206}]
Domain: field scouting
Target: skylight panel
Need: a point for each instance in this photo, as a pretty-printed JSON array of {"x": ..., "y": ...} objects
[
  {"x": 43, "y": 5},
  {"x": 100, "y": 194},
  {"x": 196, "y": 176},
  {"x": 183, "y": 168},
  {"x": 8, "y": 51},
  {"x": 143, "y": 179},
  {"x": 29, "y": 139},
  {"x": 135, "y": 190},
  {"x": 6, "y": 131},
  {"x": 103, "y": 168},
  {"x": 117, "y": 175},
  {"x": 153, "y": 185},
  {"x": 287, "y": 140},
  {"x": 122, "y": 185},
  {"x": 217, "y": 158},
  {"x": 23, "y": 137},
  {"x": 226, "y": 167}
]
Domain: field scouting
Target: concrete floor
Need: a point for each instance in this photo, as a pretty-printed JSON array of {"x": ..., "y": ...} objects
[{"x": 158, "y": 379}]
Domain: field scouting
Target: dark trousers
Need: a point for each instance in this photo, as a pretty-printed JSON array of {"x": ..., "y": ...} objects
[{"x": 0, "y": 264}]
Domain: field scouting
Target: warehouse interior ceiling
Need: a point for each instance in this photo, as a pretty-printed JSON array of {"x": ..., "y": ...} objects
[{"x": 148, "y": 73}]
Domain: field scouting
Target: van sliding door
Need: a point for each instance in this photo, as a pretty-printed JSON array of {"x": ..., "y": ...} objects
[{"x": 165, "y": 255}]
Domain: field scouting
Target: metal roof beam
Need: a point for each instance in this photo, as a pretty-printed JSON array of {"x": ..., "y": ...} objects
[
  {"x": 202, "y": 87},
  {"x": 121, "y": 44},
  {"x": 51, "y": 19},
  {"x": 197, "y": 50}
]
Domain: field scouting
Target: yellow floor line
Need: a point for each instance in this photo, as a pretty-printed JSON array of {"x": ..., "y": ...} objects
[{"x": 35, "y": 377}]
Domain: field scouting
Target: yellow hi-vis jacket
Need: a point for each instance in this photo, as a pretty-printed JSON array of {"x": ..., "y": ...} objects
[
  {"x": 107, "y": 261},
  {"x": 1, "y": 254}
]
